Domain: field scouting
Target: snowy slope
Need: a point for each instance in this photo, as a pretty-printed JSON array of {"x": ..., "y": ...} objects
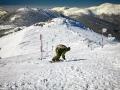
[
  {"x": 98, "y": 70},
  {"x": 86, "y": 68},
  {"x": 56, "y": 31},
  {"x": 105, "y": 8}
]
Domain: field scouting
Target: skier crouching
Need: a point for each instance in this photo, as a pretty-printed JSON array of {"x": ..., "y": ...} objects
[{"x": 60, "y": 51}]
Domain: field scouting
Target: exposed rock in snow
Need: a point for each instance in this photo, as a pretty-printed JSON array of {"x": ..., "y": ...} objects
[
  {"x": 9, "y": 29},
  {"x": 14, "y": 18},
  {"x": 28, "y": 16}
]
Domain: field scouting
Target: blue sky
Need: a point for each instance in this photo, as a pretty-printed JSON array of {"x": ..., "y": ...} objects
[{"x": 49, "y": 3}]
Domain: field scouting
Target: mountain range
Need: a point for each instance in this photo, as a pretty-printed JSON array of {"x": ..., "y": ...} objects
[
  {"x": 106, "y": 15},
  {"x": 12, "y": 21},
  {"x": 27, "y": 16},
  {"x": 29, "y": 37}
]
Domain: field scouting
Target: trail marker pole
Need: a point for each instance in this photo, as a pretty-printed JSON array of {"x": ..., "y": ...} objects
[
  {"x": 41, "y": 46},
  {"x": 103, "y": 31}
]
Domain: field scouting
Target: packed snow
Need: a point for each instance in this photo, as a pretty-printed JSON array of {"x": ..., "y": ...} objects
[
  {"x": 88, "y": 66},
  {"x": 56, "y": 31}
]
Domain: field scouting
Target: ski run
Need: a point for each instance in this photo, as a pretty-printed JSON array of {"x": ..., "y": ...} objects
[{"x": 88, "y": 66}]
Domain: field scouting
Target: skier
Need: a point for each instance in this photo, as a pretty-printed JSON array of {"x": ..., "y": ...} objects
[{"x": 60, "y": 51}]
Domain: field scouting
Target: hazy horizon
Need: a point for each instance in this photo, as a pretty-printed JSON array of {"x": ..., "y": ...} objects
[{"x": 55, "y": 3}]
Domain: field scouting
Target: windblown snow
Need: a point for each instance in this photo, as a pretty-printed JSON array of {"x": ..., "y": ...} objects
[{"x": 88, "y": 66}]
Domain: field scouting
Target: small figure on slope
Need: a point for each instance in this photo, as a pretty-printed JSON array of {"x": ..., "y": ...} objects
[{"x": 60, "y": 51}]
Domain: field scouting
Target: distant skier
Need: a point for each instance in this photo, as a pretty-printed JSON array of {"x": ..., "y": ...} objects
[{"x": 60, "y": 51}]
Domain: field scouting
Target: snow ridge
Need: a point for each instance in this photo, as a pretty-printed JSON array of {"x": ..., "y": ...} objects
[
  {"x": 88, "y": 66},
  {"x": 28, "y": 16},
  {"x": 54, "y": 32},
  {"x": 105, "y": 8}
]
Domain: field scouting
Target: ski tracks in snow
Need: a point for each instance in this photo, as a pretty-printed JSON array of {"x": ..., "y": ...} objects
[{"x": 30, "y": 73}]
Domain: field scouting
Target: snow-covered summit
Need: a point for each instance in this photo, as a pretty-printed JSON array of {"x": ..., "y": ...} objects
[
  {"x": 2, "y": 12},
  {"x": 54, "y": 32},
  {"x": 23, "y": 9},
  {"x": 26, "y": 9},
  {"x": 105, "y": 8},
  {"x": 71, "y": 11}
]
